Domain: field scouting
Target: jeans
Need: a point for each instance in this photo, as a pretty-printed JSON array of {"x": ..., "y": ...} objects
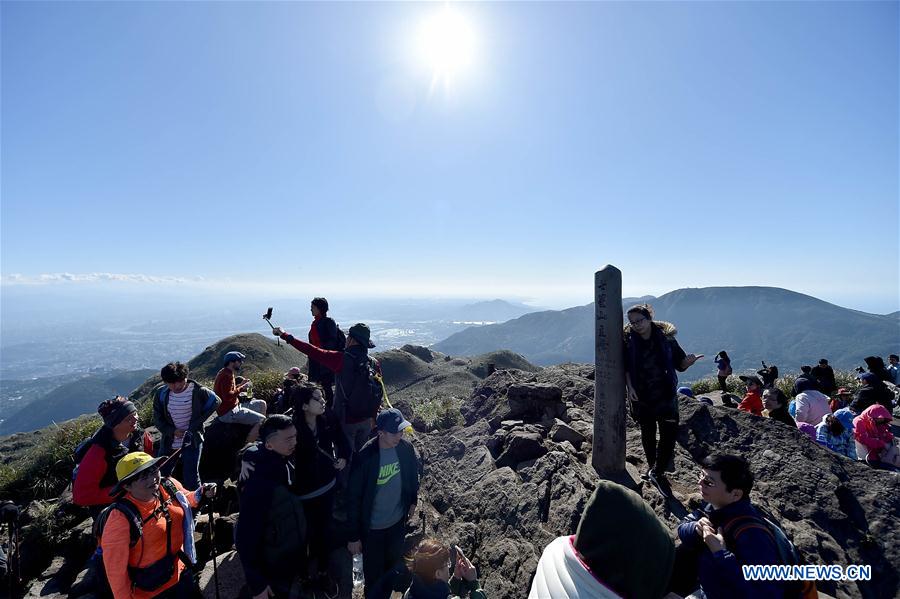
[{"x": 190, "y": 459}]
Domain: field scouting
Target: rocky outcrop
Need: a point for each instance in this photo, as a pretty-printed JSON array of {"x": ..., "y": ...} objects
[{"x": 518, "y": 474}]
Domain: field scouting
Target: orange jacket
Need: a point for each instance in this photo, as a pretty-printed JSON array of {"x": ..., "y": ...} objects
[
  {"x": 118, "y": 556},
  {"x": 752, "y": 403}
]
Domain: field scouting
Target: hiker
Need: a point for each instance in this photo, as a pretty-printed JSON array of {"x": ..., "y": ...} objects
[
  {"x": 441, "y": 572},
  {"x": 382, "y": 496},
  {"x": 893, "y": 369},
  {"x": 356, "y": 401},
  {"x": 652, "y": 356},
  {"x": 873, "y": 391},
  {"x": 775, "y": 402},
  {"x": 620, "y": 549},
  {"x": 875, "y": 365},
  {"x": 321, "y": 452},
  {"x": 768, "y": 374},
  {"x": 841, "y": 399},
  {"x": 96, "y": 458},
  {"x": 832, "y": 433},
  {"x": 805, "y": 379},
  {"x": 752, "y": 401},
  {"x": 811, "y": 404},
  {"x": 180, "y": 407},
  {"x": 847, "y": 414},
  {"x": 271, "y": 528},
  {"x": 324, "y": 333},
  {"x": 146, "y": 535},
  {"x": 824, "y": 374},
  {"x": 875, "y": 441},
  {"x": 727, "y": 533},
  {"x": 228, "y": 390},
  {"x": 723, "y": 366}
]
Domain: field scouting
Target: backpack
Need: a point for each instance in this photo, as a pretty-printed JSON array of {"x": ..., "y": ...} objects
[
  {"x": 787, "y": 552},
  {"x": 340, "y": 339},
  {"x": 367, "y": 394},
  {"x": 150, "y": 577},
  {"x": 135, "y": 442}
]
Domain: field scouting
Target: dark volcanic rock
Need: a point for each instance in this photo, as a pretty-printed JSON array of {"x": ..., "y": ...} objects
[
  {"x": 503, "y": 514},
  {"x": 521, "y": 446}
]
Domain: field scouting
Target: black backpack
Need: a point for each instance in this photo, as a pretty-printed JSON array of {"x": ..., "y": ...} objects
[
  {"x": 364, "y": 399},
  {"x": 787, "y": 552},
  {"x": 340, "y": 339}
]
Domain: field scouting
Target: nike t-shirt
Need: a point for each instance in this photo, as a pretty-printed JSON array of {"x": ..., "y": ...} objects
[{"x": 387, "y": 509}]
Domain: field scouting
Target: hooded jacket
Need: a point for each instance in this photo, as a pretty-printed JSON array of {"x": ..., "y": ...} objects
[
  {"x": 314, "y": 469},
  {"x": 812, "y": 406},
  {"x": 875, "y": 437},
  {"x": 271, "y": 528},
  {"x": 843, "y": 444},
  {"x": 873, "y": 394},
  {"x": 669, "y": 357},
  {"x": 601, "y": 560}
]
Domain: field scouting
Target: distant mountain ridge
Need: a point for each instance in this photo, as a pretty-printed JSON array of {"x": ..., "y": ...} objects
[
  {"x": 72, "y": 399},
  {"x": 752, "y": 323}
]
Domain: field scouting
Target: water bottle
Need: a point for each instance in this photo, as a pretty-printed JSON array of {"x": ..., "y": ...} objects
[{"x": 357, "y": 570}]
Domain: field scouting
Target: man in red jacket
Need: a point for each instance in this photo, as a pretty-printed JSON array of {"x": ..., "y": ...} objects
[
  {"x": 230, "y": 411},
  {"x": 356, "y": 403}
]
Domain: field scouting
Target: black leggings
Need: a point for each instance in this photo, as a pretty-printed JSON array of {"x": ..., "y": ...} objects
[
  {"x": 318, "y": 529},
  {"x": 658, "y": 458},
  {"x": 722, "y": 380}
]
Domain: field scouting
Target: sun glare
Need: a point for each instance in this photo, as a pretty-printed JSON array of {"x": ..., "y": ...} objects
[{"x": 446, "y": 43}]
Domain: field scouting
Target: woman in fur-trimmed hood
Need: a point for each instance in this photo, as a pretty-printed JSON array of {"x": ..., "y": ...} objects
[{"x": 653, "y": 359}]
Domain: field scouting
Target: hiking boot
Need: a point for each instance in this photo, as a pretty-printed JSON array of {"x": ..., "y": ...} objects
[{"x": 658, "y": 478}]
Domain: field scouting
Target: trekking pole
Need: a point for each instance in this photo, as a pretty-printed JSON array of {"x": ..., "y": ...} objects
[{"x": 212, "y": 544}]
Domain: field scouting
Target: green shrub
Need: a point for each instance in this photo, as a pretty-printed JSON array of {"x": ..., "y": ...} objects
[
  {"x": 711, "y": 383},
  {"x": 47, "y": 468},
  {"x": 266, "y": 383},
  {"x": 439, "y": 411}
]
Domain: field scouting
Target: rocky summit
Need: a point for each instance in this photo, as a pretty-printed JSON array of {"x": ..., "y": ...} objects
[
  {"x": 514, "y": 473},
  {"x": 518, "y": 474}
]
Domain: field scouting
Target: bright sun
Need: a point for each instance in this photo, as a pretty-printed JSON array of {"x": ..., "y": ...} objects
[{"x": 446, "y": 43}]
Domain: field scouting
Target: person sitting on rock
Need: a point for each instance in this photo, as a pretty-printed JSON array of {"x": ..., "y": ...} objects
[
  {"x": 610, "y": 555},
  {"x": 752, "y": 401},
  {"x": 873, "y": 391},
  {"x": 226, "y": 388},
  {"x": 807, "y": 376},
  {"x": 847, "y": 414},
  {"x": 322, "y": 451},
  {"x": 157, "y": 511},
  {"x": 96, "y": 458},
  {"x": 652, "y": 357},
  {"x": 271, "y": 527},
  {"x": 441, "y": 572},
  {"x": 180, "y": 407},
  {"x": 727, "y": 533},
  {"x": 723, "y": 369},
  {"x": 775, "y": 402},
  {"x": 841, "y": 399},
  {"x": 875, "y": 365},
  {"x": 835, "y": 436},
  {"x": 381, "y": 497},
  {"x": 875, "y": 441},
  {"x": 811, "y": 404}
]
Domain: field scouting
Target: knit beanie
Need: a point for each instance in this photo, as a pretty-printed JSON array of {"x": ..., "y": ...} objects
[
  {"x": 624, "y": 543},
  {"x": 114, "y": 411}
]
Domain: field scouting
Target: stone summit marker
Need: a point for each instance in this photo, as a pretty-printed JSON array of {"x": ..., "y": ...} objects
[{"x": 609, "y": 375}]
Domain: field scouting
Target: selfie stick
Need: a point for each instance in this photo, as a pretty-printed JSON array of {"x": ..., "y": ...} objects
[{"x": 268, "y": 318}]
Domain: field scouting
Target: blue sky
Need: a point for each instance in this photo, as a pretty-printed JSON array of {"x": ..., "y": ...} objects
[{"x": 303, "y": 147}]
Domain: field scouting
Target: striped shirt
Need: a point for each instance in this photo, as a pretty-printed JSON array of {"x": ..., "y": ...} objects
[{"x": 180, "y": 408}]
